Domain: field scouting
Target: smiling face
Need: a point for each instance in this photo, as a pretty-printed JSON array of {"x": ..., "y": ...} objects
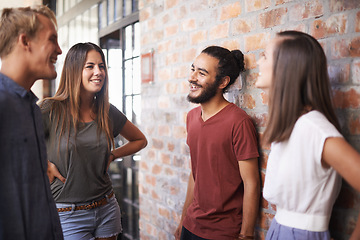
[
  {"x": 93, "y": 74},
  {"x": 266, "y": 65},
  {"x": 44, "y": 50},
  {"x": 203, "y": 84}
]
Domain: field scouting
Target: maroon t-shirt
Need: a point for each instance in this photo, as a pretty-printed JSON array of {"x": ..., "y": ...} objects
[{"x": 216, "y": 146}]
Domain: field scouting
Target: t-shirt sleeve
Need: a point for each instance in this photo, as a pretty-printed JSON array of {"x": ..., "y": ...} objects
[
  {"x": 245, "y": 140},
  {"x": 117, "y": 120}
]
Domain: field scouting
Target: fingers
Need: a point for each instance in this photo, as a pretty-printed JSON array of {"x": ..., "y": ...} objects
[{"x": 60, "y": 177}]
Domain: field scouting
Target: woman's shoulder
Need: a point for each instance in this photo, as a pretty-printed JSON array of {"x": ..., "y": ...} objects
[{"x": 315, "y": 121}]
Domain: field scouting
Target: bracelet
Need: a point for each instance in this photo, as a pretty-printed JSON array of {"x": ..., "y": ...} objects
[
  {"x": 244, "y": 237},
  {"x": 113, "y": 155}
]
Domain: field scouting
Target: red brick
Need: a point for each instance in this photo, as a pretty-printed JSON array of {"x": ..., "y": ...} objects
[
  {"x": 354, "y": 124},
  {"x": 254, "y": 5},
  {"x": 169, "y": 172},
  {"x": 339, "y": 73},
  {"x": 262, "y": 176},
  {"x": 279, "y": 2},
  {"x": 299, "y": 27},
  {"x": 166, "y": 18},
  {"x": 230, "y": 11},
  {"x": 156, "y": 169},
  {"x": 348, "y": 99},
  {"x": 171, "y": 88},
  {"x": 343, "y": 5},
  {"x": 243, "y": 25},
  {"x": 164, "y": 46},
  {"x": 144, "y": 166},
  {"x": 164, "y": 130},
  {"x": 355, "y": 47},
  {"x": 198, "y": 37},
  {"x": 273, "y": 17},
  {"x": 164, "y": 212},
  {"x": 259, "y": 119},
  {"x": 150, "y": 180},
  {"x": 171, "y": 147},
  {"x": 250, "y": 61},
  {"x": 181, "y": 42},
  {"x": 143, "y": 190},
  {"x": 165, "y": 158},
  {"x": 251, "y": 79},
  {"x": 164, "y": 74},
  {"x": 179, "y": 132},
  {"x": 170, "y": 3},
  {"x": 151, "y": 24},
  {"x": 162, "y": 235},
  {"x": 357, "y": 23},
  {"x": 157, "y": 143},
  {"x": 261, "y": 141},
  {"x": 154, "y": 195},
  {"x": 174, "y": 190},
  {"x": 171, "y": 30},
  {"x": 231, "y": 44},
  {"x": 188, "y": 56},
  {"x": 265, "y": 220},
  {"x": 145, "y": 14},
  {"x": 309, "y": 9},
  {"x": 157, "y": 35},
  {"x": 263, "y": 160},
  {"x": 248, "y": 101},
  {"x": 257, "y": 41},
  {"x": 332, "y": 25},
  {"x": 163, "y": 102},
  {"x": 181, "y": 72},
  {"x": 265, "y": 98},
  {"x": 264, "y": 203},
  {"x": 175, "y": 216},
  {"x": 219, "y": 31},
  {"x": 188, "y": 25},
  {"x": 355, "y": 73}
]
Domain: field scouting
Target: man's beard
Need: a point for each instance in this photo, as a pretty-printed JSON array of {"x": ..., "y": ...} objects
[{"x": 208, "y": 93}]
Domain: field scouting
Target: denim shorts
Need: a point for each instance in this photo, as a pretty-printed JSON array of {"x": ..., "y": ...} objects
[{"x": 100, "y": 222}]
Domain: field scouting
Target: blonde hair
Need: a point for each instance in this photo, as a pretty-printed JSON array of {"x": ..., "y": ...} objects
[
  {"x": 64, "y": 106},
  {"x": 16, "y": 21}
]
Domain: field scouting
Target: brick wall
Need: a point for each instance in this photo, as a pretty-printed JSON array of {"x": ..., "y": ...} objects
[{"x": 177, "y": 30}]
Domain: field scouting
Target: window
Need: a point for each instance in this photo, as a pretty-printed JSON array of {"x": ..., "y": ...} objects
[{"x": 122, "y": 51}]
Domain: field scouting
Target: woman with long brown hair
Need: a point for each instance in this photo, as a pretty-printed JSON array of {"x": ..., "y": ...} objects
[
  {"x": 308, "y": 153},
  {"x": 80, "y": 126}
]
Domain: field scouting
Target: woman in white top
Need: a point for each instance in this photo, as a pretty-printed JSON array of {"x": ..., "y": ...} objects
[{"x": 308, "y": 153}]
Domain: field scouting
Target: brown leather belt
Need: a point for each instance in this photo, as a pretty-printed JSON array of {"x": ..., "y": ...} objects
[{"x": 92, "y": 205}]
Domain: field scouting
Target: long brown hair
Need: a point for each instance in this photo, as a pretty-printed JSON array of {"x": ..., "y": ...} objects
[
  {"x": 300, "y": 83},
  {"x": 65, "y": 104}
]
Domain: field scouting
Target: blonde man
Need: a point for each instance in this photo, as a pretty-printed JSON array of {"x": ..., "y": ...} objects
[{"x": 28, "y": 51}]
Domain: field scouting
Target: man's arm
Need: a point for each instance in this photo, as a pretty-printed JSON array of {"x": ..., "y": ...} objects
[
  {"x": 249, "y": 173},
  {"x": 188, "y": 200}
]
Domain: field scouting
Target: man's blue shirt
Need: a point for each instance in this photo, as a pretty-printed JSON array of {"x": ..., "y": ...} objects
[{"x": 27, "y": 208}]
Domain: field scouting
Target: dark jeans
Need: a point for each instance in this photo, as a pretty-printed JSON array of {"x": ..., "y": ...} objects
[{"x": 187, "y": 235}]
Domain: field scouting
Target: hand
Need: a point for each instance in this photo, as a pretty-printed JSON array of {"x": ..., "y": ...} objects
[
  {"x": 177, "y": 233},
  {"x": 53, "y": 173}
]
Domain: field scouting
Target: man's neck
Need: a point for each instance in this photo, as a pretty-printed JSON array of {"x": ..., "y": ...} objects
[
  {"x": 14, "y": 70},
  {"x": 213, "y": 106}
]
